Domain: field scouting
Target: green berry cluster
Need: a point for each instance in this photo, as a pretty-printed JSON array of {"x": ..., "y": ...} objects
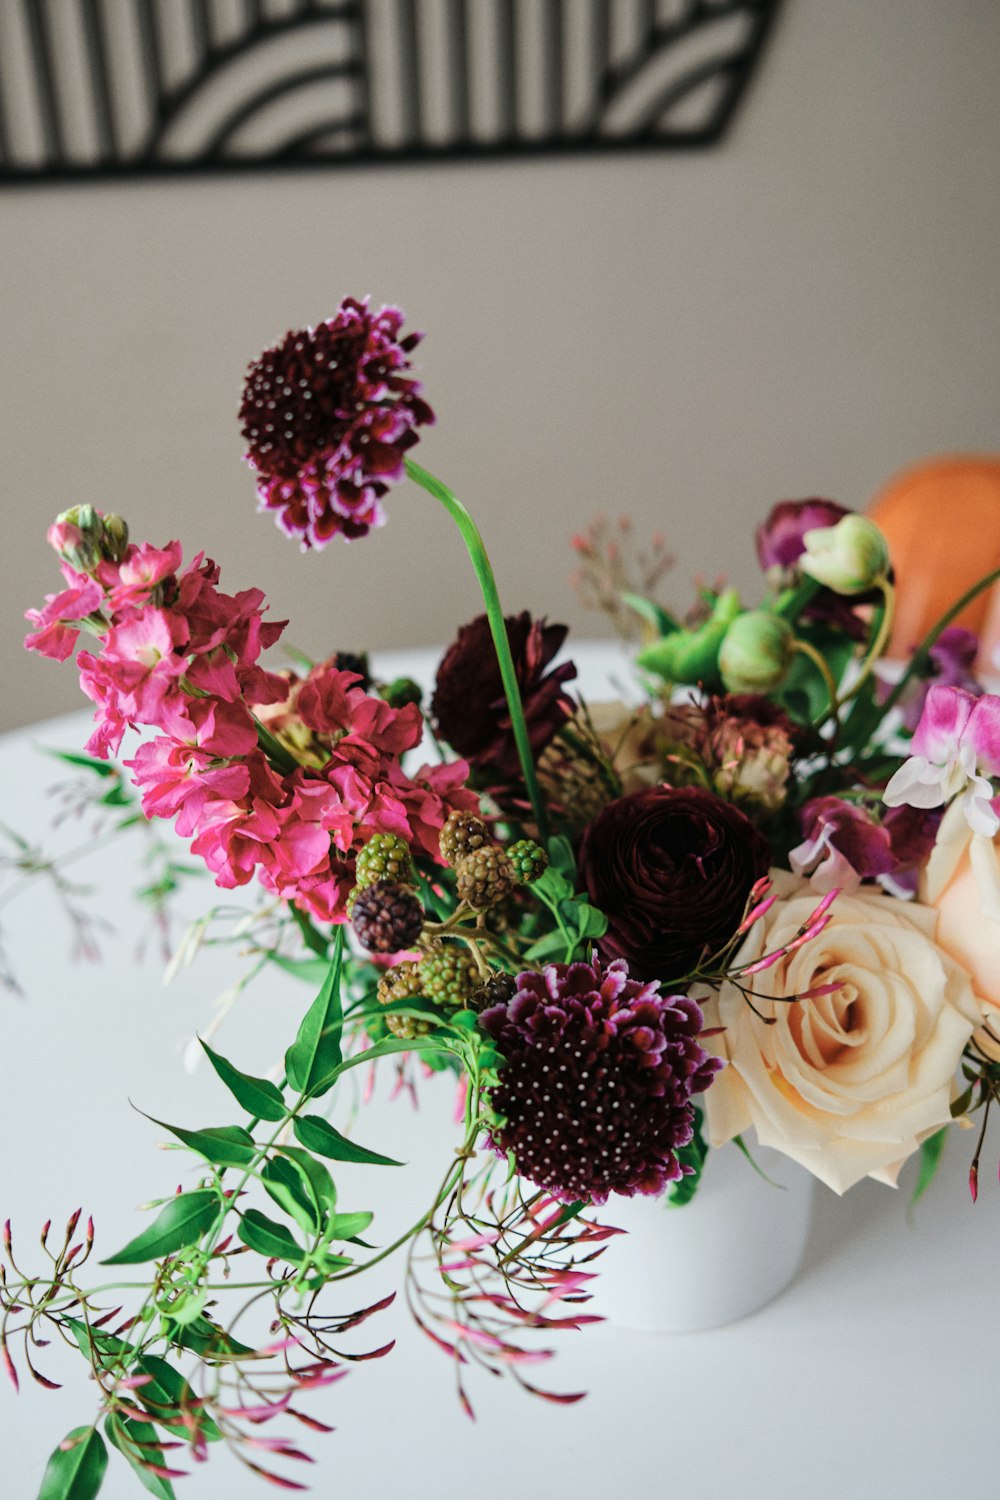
[
  {"x": 529, "y": 860},
  {"x": 448, "y": 974},
  {"x": 385, "y": 857}
]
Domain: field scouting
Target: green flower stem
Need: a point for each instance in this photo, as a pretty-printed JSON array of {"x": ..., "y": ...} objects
[
  {"x": 494, "y": 613},
  {"x": 879, "y": 643},
  {"x": 919, "y": 657},
  {"x": 807, "y": 649}
]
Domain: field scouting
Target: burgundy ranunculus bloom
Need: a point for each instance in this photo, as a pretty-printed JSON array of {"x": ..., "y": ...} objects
[
  {"x": 779, "y": 538},
  {"x": 595, "y": 1091},
  {"x": 469, "y": 707},
  {"x": 671, "y": 868},
  {"x": 327, "y": 414}
]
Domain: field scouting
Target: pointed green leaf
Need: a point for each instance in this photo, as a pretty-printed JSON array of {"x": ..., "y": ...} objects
[
  {"x": 224, "y": 1145},
  {"x": 76, "y": 1473},
  {"x": 347, "y": 1226},
  {"x": 270, "y": 1239},
  {"x": 653, "y": 613},
  {"x": 553, "y": 885},
  {"x": 258, "y": 1096},
  {"x": 126, "y": 1433},
  {"x": 206, "y": 1339},
  {"x": 180, "y": 1223},
  {"x": 284, "y": 1185},
  {"x": 95, "y": 1343},
  {"x": 313, "y": 1057},
  {"x": 87, "y": 762},
  {"x": 930, "y": 1160},
  {"x": 318, "y": 1135},
  {"x": 168, "y": 1392},
  {"x": 321, "y": 1186},
  {"x": 310, "y": 970}
]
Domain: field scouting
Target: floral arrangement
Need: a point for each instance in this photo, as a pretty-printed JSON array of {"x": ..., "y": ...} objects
[{"x": 765, "y": 893}]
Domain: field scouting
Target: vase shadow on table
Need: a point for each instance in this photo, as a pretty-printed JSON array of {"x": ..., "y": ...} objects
[{"x": 839, "y": 1225}]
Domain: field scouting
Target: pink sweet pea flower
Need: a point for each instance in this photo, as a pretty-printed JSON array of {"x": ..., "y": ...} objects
[
  {"x": 956, "y": 748},
  {"x": 843, "y": 845}
]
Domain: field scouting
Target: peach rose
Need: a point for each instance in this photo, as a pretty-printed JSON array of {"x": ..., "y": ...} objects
[
  {"x": 962, "y": 883},
  {"x": 848, "y": 1083}
]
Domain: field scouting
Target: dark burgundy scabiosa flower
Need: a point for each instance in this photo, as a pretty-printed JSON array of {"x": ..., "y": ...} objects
[
  {"x": 595, "y": 1091},
  {"x": 469, "y": 707},
  {"x": 671, "y": 868},
  {"x": 327, "y": 414}
]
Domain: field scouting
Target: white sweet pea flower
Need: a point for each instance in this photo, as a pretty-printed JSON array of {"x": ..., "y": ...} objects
[{"x": 956, "y": 749}]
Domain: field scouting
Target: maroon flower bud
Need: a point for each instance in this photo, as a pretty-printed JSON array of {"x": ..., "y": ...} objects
[
  {"x": 671, "y": 868},
  {"x": 780, "y": 538},
  {"x": 469, "y": 707}
]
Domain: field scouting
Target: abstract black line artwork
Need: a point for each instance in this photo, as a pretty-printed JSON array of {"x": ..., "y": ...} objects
[{"x": 101, "y": 88}]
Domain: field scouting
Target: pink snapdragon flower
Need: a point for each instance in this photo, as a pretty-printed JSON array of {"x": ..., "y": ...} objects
[{"x": 956, "y": 749}]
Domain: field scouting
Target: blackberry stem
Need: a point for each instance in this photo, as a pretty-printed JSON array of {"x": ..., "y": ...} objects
[{"x": 494, "y": 613}]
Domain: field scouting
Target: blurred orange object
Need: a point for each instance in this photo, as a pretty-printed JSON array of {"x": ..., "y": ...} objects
[{"x": 941, "y": 519}]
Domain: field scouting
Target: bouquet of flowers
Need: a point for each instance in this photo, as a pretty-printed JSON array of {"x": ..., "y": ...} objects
[{"x": 764, "y": 893}]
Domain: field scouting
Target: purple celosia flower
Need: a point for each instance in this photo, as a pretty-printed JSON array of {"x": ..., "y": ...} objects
[
  {"x": 328, "y": 414},
  {"x": 595, "y": 1092}
]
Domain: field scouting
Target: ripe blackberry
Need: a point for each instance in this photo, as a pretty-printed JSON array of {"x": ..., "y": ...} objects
[
  {"x": 385, "y": 857},
  {"x": 485, "y": 877},
  {"x": 529, "y": 860},
  {"x": 401, "y": 691},
  {"x": 387, "y": 917},
  {"x": 449, "y": 974},
  {"x": 462, "y": 833},
  {"x": 497, "y": 990}
]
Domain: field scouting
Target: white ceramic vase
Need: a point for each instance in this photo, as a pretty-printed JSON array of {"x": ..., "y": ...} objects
[{"x": 731, "y": 1250}]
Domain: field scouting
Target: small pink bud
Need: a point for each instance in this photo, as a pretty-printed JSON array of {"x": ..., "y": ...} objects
[{"x": 974, "y": 1181}]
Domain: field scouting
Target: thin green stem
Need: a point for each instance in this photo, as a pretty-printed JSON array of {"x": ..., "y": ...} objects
[
  {"x": 494, "y": 613},
  {"x": 919, "y": 657},
  {"x": 878, "y": 644}
]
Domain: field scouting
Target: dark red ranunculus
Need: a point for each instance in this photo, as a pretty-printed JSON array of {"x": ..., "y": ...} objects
[
  {"x": 671, "y": 867},
  {"x": 469, "y": 707}
]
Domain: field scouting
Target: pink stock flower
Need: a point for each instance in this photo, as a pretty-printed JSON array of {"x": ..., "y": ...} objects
[
  {"x": 54, "y": 632},
  {"x": 328, "y": 413},
  {"x": 955, "y": 750}
]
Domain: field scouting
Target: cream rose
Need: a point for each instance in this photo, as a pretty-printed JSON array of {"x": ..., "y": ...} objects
[
  {"x": 849, "y": 1083},
  {"x": 962, "y": 883}
]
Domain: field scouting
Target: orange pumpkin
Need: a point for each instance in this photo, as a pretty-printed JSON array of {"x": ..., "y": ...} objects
[{"x": 941, "y": 519}]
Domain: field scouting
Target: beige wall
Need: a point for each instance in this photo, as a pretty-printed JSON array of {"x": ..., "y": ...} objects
[{"x": 687, "y": 338}]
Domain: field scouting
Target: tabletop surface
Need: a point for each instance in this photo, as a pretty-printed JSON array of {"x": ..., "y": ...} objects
[{"x": 872, "y": 1376}]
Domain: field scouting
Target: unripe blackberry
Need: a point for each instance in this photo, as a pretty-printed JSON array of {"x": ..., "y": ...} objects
[
  {"x": 400, "y": 983},
  {"x": 387, "y": 917},
  {"x": 449, "y": 974},
  {"x": 407, "y": 1028},
  {"x": 497, "y": 990},
  {"x": 529, "y": 860},
  {"x": 485, "y": 877},
  {"x": 462, "y": 833},
  {"x": 401, "y": 691},
  {"x": 385, "y": 857}
]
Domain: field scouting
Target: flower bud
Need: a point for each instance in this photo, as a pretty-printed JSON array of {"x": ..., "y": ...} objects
[
  {"x": 115, "y": 537},
  {"x": 849, "y": 557},
  {"x": 401, "y": 691},
  {"x": 757, "y": 652},
  {"x": 692, "y": 655}
]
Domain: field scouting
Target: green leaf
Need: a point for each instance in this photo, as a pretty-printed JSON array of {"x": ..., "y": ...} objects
[
  {"x": 95, "y": 1343},
  {"x": 310, "y": 970},
  {"x": 553, "y": 885},
  {"x": 284, "y": 1185},
  {"x": 551, "y": 946},
  {"x": 76, "y": 1473},
  {"x": 126, "y": 1433},
  {"x": 561, "y": 857},
  {"x": 207, "y": 1339},
  {"x": 223, "y": 1145},
  {"x": 258, "y": 1096},
  {"x": 346, "y": 1226},
  {"x": 318, "y": 1135},
  {"x": 693, "y": 1155},
  {"x": 662, "y": 622},
  {"x": 180, "y": 1223},
  {"x": 930, "y": 1160},
  {"x": 320, "y": 1184},
  {"x": 87, "y": 762},
  {"x": 167, "y": 1393},
  {"x": 270, "y": 1239},
  {"x": 313, "y": 1057}
]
